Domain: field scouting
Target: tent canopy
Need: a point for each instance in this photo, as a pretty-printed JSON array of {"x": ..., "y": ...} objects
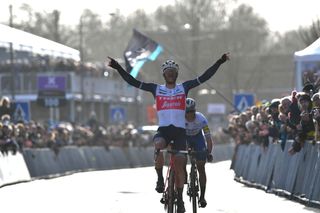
[
  {"x": 306, "y": 59},
  {"x": 22, "y": 40},
  {"x": 310, "y": 53}
]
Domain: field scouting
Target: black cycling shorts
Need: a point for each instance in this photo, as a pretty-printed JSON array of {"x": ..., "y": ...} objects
[{"x": 175, "y": 134}]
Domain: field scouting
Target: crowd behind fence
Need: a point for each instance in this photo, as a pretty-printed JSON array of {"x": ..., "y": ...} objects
[
  {"x": 294, "y": 117},
  {"x": 277, "y": 143},
  {"x": 17, "y": 135}
]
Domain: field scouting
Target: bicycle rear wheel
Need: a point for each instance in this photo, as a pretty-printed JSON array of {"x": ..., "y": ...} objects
[
  {"x": 171, "y": 193},
  {"x": 193, "y": 189}
]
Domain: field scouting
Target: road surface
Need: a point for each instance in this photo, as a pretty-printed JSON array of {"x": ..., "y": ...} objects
[{"x": 132, "y": 190}]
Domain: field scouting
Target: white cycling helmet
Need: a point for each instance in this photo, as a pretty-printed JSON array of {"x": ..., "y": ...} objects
[
  {"x": 169, "y": 64},
  {"x": 190, "y": 105}
]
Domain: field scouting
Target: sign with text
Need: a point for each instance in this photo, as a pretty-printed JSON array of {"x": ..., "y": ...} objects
[
  {"x": 51, "y": 91},
  {"x": 46, "y": 82}
]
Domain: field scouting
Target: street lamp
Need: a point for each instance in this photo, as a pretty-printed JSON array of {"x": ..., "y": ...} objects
[{"x": 13, "y": 74}]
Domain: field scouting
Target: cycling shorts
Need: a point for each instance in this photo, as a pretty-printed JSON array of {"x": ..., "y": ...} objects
[
  {"x": 175, "y": 134},
  {"x": 197, "y": 143}
]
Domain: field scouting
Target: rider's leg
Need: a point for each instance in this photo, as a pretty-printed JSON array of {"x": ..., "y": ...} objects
[
  {"x": 180, "y": 169},
  {"x": 180, "y": 160},
  {"x": 203, "y": 181},
  {"x": 159, "y": 143},
  {"x": 180, "y": 165}
]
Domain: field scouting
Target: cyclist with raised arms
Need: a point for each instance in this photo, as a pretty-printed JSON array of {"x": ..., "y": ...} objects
[
  {"x": 199, "y": 139},
  {"x": 170, "y": 101}
]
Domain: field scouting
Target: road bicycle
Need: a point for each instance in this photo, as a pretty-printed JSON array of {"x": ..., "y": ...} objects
[
  {"x": 169, "y": 196},
  {"x": 193, "y": 180}
]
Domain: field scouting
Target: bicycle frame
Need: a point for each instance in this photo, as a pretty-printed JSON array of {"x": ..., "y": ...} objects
[{"x": 169, "y": 197}]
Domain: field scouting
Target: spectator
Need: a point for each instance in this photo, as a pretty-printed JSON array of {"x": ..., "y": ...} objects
[
  {"x": 316, "y": 115},
  {"x": 285, "y": 130},
  {"x": 7, "y": 141},
  {"x": 303, "y": 122},
  {"x": 5, "y": 107},
  {"x": 309, "y": 89},
  {"x": 275, "y": 123}
]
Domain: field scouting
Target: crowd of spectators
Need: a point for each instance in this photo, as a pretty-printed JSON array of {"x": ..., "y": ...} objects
[
  {"x": 293, "y": 117},
  {"x": 17, "y": 135}
]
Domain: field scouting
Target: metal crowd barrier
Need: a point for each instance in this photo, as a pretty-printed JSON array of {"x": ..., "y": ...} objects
[{"x": 294, "y": 176}]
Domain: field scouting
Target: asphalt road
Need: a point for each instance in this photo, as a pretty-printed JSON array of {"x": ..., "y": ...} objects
[{"x": 132, "y": 190}]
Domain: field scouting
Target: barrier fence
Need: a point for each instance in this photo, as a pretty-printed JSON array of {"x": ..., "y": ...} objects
[
  {"x": 13, "y": 169},
  {"x": 294, "y": 176},
  {"x": 44, "y": 162}
]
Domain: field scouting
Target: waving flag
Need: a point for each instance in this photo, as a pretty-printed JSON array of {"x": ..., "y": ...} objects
[{"x": 140, "y": 49}]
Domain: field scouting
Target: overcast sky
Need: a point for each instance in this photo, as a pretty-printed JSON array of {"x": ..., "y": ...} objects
[{"x": 281, "y": 15}]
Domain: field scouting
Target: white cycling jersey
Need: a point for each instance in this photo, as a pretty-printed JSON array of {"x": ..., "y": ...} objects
[
  {"x": 171, "y": 105},
  {"x": 195, "y": 127}
]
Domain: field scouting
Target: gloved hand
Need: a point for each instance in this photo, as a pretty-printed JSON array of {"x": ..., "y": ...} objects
[
  {"x": 113, "y": 63},
  {"x": 225, "y": 57}
]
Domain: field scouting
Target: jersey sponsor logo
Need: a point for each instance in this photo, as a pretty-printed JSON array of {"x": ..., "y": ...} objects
[{"x": 171, "y": 102}]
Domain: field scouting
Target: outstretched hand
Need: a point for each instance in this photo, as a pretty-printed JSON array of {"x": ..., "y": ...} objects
[
  {"x": 112, "y": 63},
  {"x": 225, "y": 57}
]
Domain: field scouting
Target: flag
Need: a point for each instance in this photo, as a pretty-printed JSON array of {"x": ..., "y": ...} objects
[{"x": 139, "y": 50}]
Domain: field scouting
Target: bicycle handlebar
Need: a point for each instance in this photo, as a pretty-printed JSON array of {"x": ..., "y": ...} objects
[
  {"x": 173, "y": 151},
  {"x": 188, "y": 152}
]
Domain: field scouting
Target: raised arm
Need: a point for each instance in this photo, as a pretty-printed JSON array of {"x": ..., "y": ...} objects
[
  {"x": 207, "y": 74},
  {"x": 125, "y": 75},
  {"x": 213, "y": 69},
  {"x": 150, "y": 87}
]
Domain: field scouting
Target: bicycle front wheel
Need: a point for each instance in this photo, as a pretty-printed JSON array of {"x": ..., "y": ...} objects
[
  {"x": 194, "y": 191},
  {"x": 171, "y": 193}
]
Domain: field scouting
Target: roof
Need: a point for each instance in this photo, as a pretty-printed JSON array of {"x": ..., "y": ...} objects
[
  {"x": 310, "y": 53},
  {"x": 22, "y": 40}
]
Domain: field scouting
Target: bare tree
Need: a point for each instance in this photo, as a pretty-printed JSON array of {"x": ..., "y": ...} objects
[
  {"x": 310, "y": 34},
  {"x": 246, "y": 35}
]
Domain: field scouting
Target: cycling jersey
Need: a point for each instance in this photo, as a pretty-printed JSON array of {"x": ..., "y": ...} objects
[
  {"x": 170, "y": 102},
  {"x": 170, "y": 105},
  {"x": 198, "y": 125},
  {"x": 196, "y": 130}
]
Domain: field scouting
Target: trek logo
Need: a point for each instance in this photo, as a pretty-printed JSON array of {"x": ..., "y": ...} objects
[{"x": 171, "y": 102}]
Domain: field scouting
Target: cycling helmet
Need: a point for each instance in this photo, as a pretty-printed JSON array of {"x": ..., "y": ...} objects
[
  {"x": 169, "y": 64},
  {"x": 190, "y": 105}
]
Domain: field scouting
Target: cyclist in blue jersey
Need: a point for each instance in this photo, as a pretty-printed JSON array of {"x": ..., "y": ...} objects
[
  {"x": 170, "y": 101},
  {"x": 199, "y": 139}
]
